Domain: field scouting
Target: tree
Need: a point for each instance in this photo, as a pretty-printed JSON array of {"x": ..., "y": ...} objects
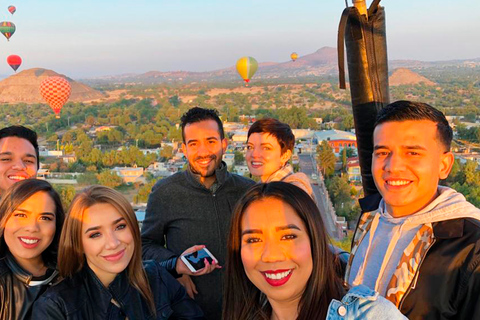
[
  {"x": 144, "y": 192},
  {"x": 109, "y": 179},
  {"x": 67, "y": 193},
  {"x": 326, "y": 159},
  {"x": 239, "y": 157},
  {"x": 166, "y": 152}
]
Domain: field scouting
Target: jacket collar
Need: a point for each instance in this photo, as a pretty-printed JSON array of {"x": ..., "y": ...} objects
[
  {"x": 221, "y": 174},
  {"x": 21, "y": 274}
]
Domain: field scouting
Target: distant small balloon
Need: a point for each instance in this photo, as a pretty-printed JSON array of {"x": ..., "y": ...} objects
[
  {"x": 55, "y": 91},
  {"x": 14, "y": 61},
  {"x": 246, "y": 67},
  {"x": 294, "y": 56},
  {"x": 12, "y": 9},
  {"x": 7, "y": 29}
]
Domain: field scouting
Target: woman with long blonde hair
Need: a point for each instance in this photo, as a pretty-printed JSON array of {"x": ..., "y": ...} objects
[{"x": 100, "y": 258}]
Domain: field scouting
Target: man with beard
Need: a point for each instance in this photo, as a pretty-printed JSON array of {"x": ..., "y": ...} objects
[{"x": 193, "y": 207}]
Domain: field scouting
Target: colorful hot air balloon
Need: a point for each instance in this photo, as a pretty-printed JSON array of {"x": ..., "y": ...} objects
[
  {"x": 294, "y": 56},
  {"x": 14, "y": 61},
  {"x": 56, "y": 91},
  {"x": 246, "y": 67},
  {"x": 7, "y": 28},
  {"x": 12, "y": 9}
]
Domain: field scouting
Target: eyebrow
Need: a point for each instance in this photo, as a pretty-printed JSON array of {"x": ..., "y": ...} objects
[
  {"x": 281, "y": 228},
  {"x": 414, "y": 147},
  {"x": 98, "y": 227},
  {"x": 8, "y": 153},
  {"x": 209, "y": 138}
]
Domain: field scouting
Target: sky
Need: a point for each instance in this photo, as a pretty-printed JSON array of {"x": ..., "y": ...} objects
[{"x": 85, "y": 38}]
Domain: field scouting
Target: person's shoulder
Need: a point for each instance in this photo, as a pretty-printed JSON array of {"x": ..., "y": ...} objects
[
  {"x": 176, "y": 177},
  {"x": 66, "y": 289},
  {"x": 240, "y": 180},
  {"x": 368, "y": 304}
]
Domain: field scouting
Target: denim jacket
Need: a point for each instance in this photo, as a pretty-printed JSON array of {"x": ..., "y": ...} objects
[{"x": 361, "y": 303}]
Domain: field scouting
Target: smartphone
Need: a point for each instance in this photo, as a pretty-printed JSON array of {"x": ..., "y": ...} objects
[{"x": 195, "y": 260}]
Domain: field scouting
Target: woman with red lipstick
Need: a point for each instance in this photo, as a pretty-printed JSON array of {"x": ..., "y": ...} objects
[
  {"x": 270, "y": 145},
  {"x": 100, "y": 259},
  {"x": 279, "y": 265},
  {"x": 31, "y": 220}
]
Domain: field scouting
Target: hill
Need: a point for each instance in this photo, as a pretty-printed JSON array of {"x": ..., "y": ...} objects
[
  {"x": 403, "y": 76},
  {"x": 24, "y": 87}
]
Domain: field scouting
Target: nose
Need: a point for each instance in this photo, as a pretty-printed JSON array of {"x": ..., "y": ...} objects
[
  {"x": 394, "y": 163},
  {"x": 31, "y": 224},
  {"x": 18, "y": 164},
  {"x": 272, "y": 252},
  {"x": 203, "y": 149},
  {"x": 112, "y": 241}
]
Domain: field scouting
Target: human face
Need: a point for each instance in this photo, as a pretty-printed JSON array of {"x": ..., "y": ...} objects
[
  {"x": 408, "y": 161},
  {"x": 107, "y": 241},
  {"x": 30, "y": 229},
  {"x": 275, "y": 250},
  {"x": 264, "y": 155},
  {"x": 203, "y": 147},
  {"x": 18, "y": 161}
]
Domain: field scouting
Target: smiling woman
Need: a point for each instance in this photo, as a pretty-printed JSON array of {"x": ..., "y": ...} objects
[
  {"x": 31, "y": 219},
  {"x": 279, "y": 265},
  {"x": 100, "y": 258}
]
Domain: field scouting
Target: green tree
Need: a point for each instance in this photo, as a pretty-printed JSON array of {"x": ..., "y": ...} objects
[
  {"x": 109, "y": 179},
  {"x": 67, "y": 193},
  {"x": 239, "y": 157},
  {"x": 166, "y": 152},
  {"x": 144, "y": 192},
  {"x": 326, "y": 159}
]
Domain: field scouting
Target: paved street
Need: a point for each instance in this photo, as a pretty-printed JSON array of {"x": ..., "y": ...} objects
[{"x": 307, "y": 167}]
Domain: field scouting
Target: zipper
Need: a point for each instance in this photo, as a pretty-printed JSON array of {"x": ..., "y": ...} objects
[{"x": 415, "y": 278}]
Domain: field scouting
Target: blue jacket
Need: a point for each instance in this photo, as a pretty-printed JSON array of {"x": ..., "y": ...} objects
[
  {"x": 84, "y": 297},
  {"x": 361, "y": 303}
]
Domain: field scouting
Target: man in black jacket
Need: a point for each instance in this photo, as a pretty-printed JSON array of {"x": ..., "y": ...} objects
[
  {"x": 194, "y": 207},
  {"x": 418, "y": 243}
]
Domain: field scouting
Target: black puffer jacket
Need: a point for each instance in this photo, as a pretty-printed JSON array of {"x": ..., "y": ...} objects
[
  {"x": 19, "y": 289},
  {"x": 84, "y": 297}
]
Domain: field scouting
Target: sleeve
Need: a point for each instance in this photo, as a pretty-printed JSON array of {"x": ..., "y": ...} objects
[
  {"x": 153, "y": 229},
  {"x": 182, "y": 305},
  {"x": 468, "y": 301},
  {"x": 45, "y": 308}
]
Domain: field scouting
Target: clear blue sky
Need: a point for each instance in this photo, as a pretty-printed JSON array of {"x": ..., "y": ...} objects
[{"x": 104, "y": 37}]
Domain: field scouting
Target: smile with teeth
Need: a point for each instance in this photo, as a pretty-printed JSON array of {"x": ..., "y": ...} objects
[
  {"x": 17, "y": 177},
  {"x": 29, "y": 241},
  {"x": 277, "y": 276},
  {"x": 398, "y": 182},
  {"x": 257, "y": 163}
]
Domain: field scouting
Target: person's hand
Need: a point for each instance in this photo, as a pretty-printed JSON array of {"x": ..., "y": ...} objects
[
  {"x": 181, "y": 268},
  {"x": 189, "y": 286}
]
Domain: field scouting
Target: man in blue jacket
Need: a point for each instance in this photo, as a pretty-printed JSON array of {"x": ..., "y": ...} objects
[{"x": 194, "y": 207}]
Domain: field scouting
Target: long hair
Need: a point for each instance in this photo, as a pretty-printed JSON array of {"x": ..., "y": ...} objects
[
  {"x": 242, "y": 300},
  {"x": 15, "y": 196},
  {"x": 71, "y": 255}
]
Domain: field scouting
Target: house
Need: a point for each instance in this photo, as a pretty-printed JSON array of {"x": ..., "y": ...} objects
[
  {"x": 339, "y": 144},
  {"x": 353, "y": 170},
  {"x": 130, "y": 174},
  {"x": 229, "y": 159}
]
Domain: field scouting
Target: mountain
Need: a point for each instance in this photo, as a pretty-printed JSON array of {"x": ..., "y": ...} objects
[
  {"x": 24, "y": 87},
  {"x": 323, "y": 62},
  {"x": 403, "y": 76}
]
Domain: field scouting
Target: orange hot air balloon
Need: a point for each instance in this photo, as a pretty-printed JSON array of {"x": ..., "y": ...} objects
[
  {"x": 14, "y": 61},
  {"x": 294, "y": 56},
  {"x": 56, "y": 91},
  {"x": 12, "y": 9}
]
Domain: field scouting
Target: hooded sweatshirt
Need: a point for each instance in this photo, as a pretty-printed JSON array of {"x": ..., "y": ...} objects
[{"x": 382, "y": 247}]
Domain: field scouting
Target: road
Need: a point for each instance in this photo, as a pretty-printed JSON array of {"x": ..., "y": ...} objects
[{"x": 307, "y": 167}]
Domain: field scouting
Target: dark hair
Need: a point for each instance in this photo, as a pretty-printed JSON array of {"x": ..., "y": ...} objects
[
  {"x": 15, "y": 196},
  {"x": 24, "y": 133},
  {"x": 242, "y": 300},
  {"x": 403, "y": 110},
  {"x": 198, "y": 114},
  {"x": 281, "y": 131}
]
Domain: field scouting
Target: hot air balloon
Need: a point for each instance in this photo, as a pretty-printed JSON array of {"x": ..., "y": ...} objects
[
  {"x": 14, "y": 61},
  {"x": 294, "y": 56},
  {"x": 7, "y": 28},
  {"x": 12, "y": 9},
  {"x": 246, "y": 67},
  {"x": 56, "y": 91}
]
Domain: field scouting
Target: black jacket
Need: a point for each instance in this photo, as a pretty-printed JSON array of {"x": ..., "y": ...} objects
[
  {"x": 448, "y": 280},
  {"x": 19, "y": 289},
  {"x": 84, "y": 297},
  {"x": 181, "y": 213}
]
